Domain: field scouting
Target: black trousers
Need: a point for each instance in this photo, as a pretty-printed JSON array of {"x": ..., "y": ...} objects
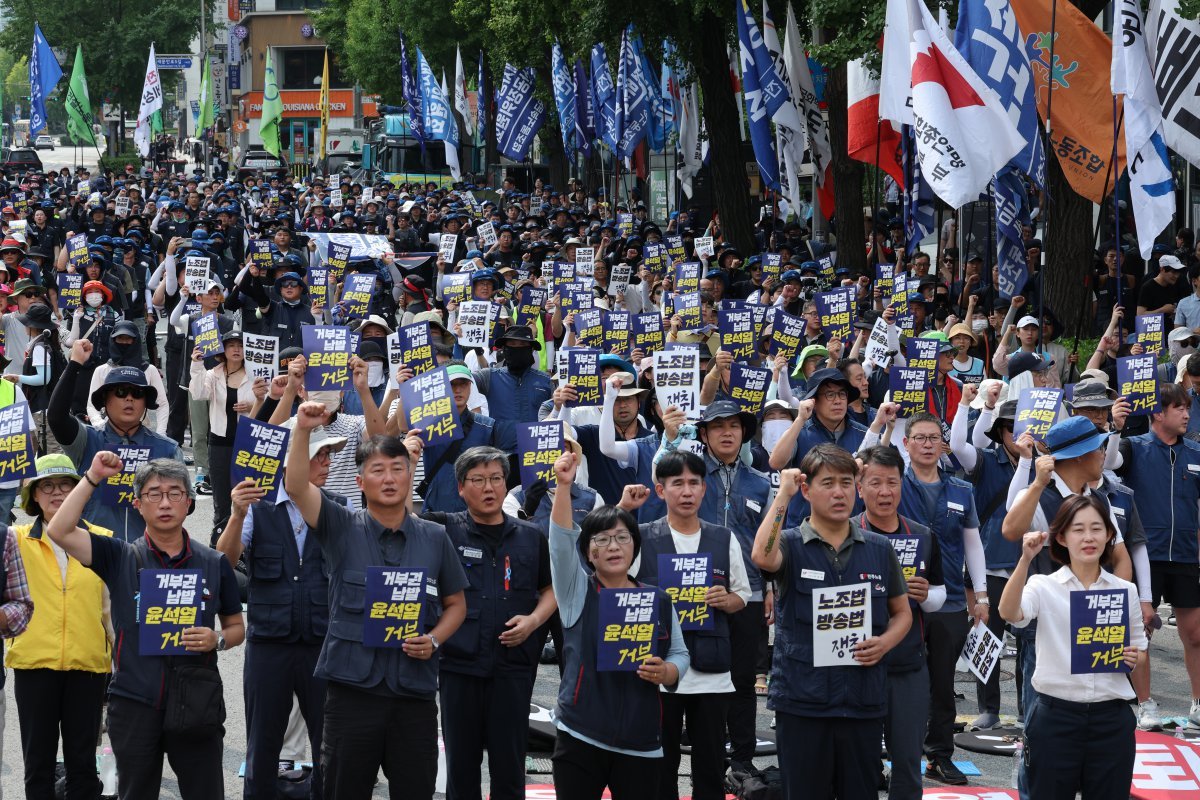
[
  {"x": 988, "y": 694},
  {"x": 50, "y": 701},
  {"x": 706, "y": 732},
  {"x": 274, "y": 673},
  {"x": 582, "y": 771},
  {"x": 945, "y": 635},
  {"x": 219, "y": 458},
  {"x": 364, "y": 731},
  {"x": 177, "y": 396},
  {"x": 746, "y": 629},
  {"x": 139, "y": 743},
  {"x": 489, "y": 714},
  {"x": 828, "y": 757},
  {"x": 1060, "y": 762}
]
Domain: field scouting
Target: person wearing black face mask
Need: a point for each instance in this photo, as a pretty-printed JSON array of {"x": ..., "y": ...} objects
[
  {"x": 125, "y": 350},
  {"x": 515, "y": 390}
]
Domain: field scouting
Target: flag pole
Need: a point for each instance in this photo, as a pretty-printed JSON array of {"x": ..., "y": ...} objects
[
  {"x": 875, "y": 191},
  {"x": 1049, "y": 199},
  {"x": 1116, "y": 212}
]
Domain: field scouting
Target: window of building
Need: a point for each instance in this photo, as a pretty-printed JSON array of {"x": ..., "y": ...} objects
[
  {"x": 297, "y": 5},
  {"x": 301, "y": 68}
]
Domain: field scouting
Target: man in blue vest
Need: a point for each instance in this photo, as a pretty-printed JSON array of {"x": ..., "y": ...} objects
[
  {"x": 946, "y": 505},
  {"x": 488, "y": 667},
  {"x": 124, "y": 397},
  {"x": 516, "y": 390},
  {"x": 829, "y": 719},
  {"x": 289, "y": 612},
  {"x": 380, "y": 706},
  {"x": 145, "y": 688},
  {"x": 880, "y": 486}
]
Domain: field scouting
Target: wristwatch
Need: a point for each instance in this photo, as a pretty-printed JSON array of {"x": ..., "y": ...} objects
[
  {"x": 982, "y": 600},
  {"x": 436, "y": 643},
  {"x": 220, "y": 642}
]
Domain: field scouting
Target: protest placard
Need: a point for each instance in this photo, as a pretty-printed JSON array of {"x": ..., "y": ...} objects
[
  {"x": 121, "y": 207},
  {"x": 675, "y": 248},
  {"x": 836, "y": 309},
  {"x": 260, "y": 254},
  {"x": 328, "y": 349},
  {"x": 618, "y": 279},
  {"x": 395, "y": 597},
  {"x": 878, "y": 350},
  {"x": 686, "y": 580},
  {"x": 677, "y": 380},
  {"x": 772, "y": 266},
  {"x": 909, "y": 387},
  {"x": 625, "y": 225},
  {"x": 456, "y": 288},
  {"x": 589, "y": 328},
  {"x": 531, "y": 302},
  {"x": 17, "y": 452},
  {"x": 654, "y": 258},
  {"x": 335, "y": 198},
  {"x": 827, "y": 263},
  {"x": 337, "y": 256},
  {"x": 539, "y": 444},
  {"x": 446, "y": 246},
  {"x": 575, "y": 296},
  {"x": 1150, "y": 329},
  {"x": 429, "y": 404},
  {"x": 415, "y": 346},
  {"x": 884, "y": 279},
  {"x": 475, "y": 318},
  {"x": 168, "y": 604},
  {"x": 487, "y": 234},
  {"x": 585, "y": 258},
  {"x": 206, "y": 335},
  {"x": 258, "y": 453},
  {"x": 117, "y": 490},
  {"x": 687, "y": 308},
  {"x": 583, "y": 372},
  {"x": 77, "y": 251},
  {"x": 923, "y": 354},
  {"x": 982, "y": 651},
  {"x": 748, "y": 386},
  {"x": 195, "y": 274},
  {"x": 787, "y": 335},
  {"x": 262, "y": 355},
  {"x": 1137, "y": 382},
  {"x": 703, "y": 245},
  {"x": 318, "y": 285},
  {"x": 736, "y": 324},
  {"x": 628, "y": 620},
  {"x": 647, "y": 331},
  {"x": 356, "y": 294},
  {"x": 1037, "y": 409},
  {"x": 1099, "y": 631},
  {"x": 763, "y": 316},
  {"x": 841, "y": 619},
  {"x": 616, "y": 332},
  {"x": 70, "y": 290},
  {"x": 911, "y": 554},
  {"x": 687, "y": 277}
]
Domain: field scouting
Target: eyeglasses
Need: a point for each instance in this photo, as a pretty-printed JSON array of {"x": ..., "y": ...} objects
[
  {"x": 603, "y": 541},
  {"x": 53, "y": 487},
  {"x": 323, "y": 456},
  {"x": 926, "y": 438},
  {"x": 479, "y": 481},
  {"x": 947, "y": 260},
  {"x": 156, "y": 495},
  {"x": 136, "y": 392},
  {"x": 28, "y": 295},
  {"x": 290, "y": 285},
  {"x": 833, "y": 395}
]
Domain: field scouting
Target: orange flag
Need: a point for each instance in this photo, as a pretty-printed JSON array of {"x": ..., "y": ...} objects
[{"x": 1081, "y": 129}]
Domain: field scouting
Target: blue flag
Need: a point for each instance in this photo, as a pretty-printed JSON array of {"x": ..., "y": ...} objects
[
  {"x": 438, "y": 119},
  {"x": 1008, "y": 190},
  {"x": 633, "y": 97},
  {"x": 667, "y": 90},
  {"x": 44, "y": 73},
  {"x": 919, "y": 213},
  {"x": 656, "y": 138},
  {"x": 989, "y": 39},
  {"x": 412, "y": 95},
  {"x": 605, "y": 95},
  {"x": 761, "y": 100},
  {"x": 585, "y": 110},
  {"x": 519, "y": 114},
  {"x": 481, "y": 102},
  {"x": 564, "y": 97}
]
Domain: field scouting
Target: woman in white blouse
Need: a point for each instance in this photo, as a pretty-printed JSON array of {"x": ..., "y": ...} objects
[{"x": 1079, "y": 734}]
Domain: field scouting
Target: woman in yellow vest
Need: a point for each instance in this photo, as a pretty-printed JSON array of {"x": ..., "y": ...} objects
[{"x": 61, "y": 662}]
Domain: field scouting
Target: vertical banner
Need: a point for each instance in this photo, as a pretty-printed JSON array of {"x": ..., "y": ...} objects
[
  {"x": 258, "y": 453},
  {"x": 685, "y": 579},
  {"x": 394, "y": 600},
  {"x": 539, "y": 444},
  {"x": 70, "y": 290},
  {"x": 1150, "y": 329},
  {"x": 841, "y": 619},
  {"x": 262, "y": 355},
  {"x": 206, "y": 335},
  {"x": 475, "y": 318},
  {"x": 16, "y": 443},
  {"x": 677, "y": 380},
  {"x": 647, "y": 332},
  {"x": 1037, "y": 408},
  {"x": 909, "y": 388},
  {"x": 429, "y": 403},
  {"x": 583, "y": 372},
  {"x": 328, "y": 348},
  {"x": 1099, "y": 631},
  {"x": 168, "y": 604},
  {"x": 748, "y": 386},
  {"x": 628, "y": 619},
  {"x": 416, "y": 348},
  {"x": 1137, "y": 382},
  {"x": 736, "y": 325}
]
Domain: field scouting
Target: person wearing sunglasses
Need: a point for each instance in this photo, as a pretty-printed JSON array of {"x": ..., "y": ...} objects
[
  {"x": 61, "y": 662},
  {"x": 124, "y": 398}
]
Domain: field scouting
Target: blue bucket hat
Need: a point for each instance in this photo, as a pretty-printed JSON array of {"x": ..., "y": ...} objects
[
  {"x": 1074, "y": 437},
  {"x": 125, "y": 376}
]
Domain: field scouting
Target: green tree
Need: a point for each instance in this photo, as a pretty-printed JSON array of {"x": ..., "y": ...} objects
[{"x": 16, "y": 86}]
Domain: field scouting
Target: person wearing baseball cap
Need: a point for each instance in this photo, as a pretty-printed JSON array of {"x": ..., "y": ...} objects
[
  {"x": 1160, "y": 294},
  {"x": 1187, "y": 310},
  {"x": 516, "y": 389}
]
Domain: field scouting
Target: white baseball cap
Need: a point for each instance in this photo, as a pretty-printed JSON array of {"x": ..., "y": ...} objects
[
  {"x": 1171, "y": 262},
  {"x": 1028, "y": 320}
]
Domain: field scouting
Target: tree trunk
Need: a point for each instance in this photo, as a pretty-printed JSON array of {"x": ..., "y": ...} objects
[
  {"x": 847, "y": 180},
  {"x": 1068, "y": 247},
  {"x": 726, "y": 163}
]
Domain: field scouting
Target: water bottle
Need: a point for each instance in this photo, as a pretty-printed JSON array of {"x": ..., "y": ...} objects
[
  {"x": 108, "y": 772},
  {"x": 1018, "y": 755}
]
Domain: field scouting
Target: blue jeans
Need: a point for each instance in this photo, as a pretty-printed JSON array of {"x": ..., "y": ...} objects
[{"x": 7, "y": 498}]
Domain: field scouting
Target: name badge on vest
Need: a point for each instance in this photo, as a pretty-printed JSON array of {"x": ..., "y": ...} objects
[
  {"x": 470, "y": 553},
  {"x": 431, "y": 587},
  {"x": 1193, "y": 467},
  {"x": 812, "y": 574},
  {"x": 957, "y": 500},
  {"x": 753, "y": 506}
]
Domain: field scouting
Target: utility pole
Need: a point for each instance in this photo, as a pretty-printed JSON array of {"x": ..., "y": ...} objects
[{"x": 203, "y": 56}]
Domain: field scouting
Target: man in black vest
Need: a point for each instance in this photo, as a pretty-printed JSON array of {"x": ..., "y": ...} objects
[
  {"x": 289, "y": 613},
  {"x": 704, "y": 692},
  {"x": 488, "y": 667},
  {"x": 379, "y": 701},
  {"x": 143, "y": 686}
]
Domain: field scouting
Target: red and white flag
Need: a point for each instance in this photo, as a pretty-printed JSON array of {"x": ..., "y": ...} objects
[
  {"x": 867, "y": 139},
  {"x": 963, "y": 133}
]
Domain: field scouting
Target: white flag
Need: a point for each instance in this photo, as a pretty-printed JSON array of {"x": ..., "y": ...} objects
[
  {"x": 963, "y": 132},
  {"x": 791, "y": 142},
  {"x": 693, "y": 148},
  {"x": 1151, "y": 184},
  {"x": 1174, "y": 44},
  {"x": 451, "y": 142},
  {"x": 460, "y": 94},
  {"x": 152, "y": 100},
  {"x": 805, "y": 94}
]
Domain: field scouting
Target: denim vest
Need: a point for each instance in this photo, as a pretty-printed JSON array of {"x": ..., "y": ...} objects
[
  {"x": 950, "y": 510},
  {"x": 1169, "y": 493},
  {"x": 124, "y": 521},
  {"x": 512, "y": 397},
  {"x": 993, "y": 474}
]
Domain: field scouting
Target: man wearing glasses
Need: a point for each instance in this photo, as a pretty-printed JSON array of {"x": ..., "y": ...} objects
[
  {"x": 124, "y": 398},
  {"x": 488, "y": 666}
]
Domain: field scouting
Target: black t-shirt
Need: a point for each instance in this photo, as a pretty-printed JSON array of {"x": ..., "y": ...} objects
[{"x": 1154, "y": 295}]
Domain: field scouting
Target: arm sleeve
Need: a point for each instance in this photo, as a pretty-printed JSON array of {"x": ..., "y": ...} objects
[
  {"x": 570, "y": 581},
  {"x": 1140, "y": 557},
  {"x": 179, "y": 320},
  {"x": 171, "y": 275},
  {"x": 98, "y": 381},
  {"x": 41, "y": 368},
  {"x": 624, "y": 453},
  {"x": 65, "y": 427},
  {"x": 163, "y": 412},
  {"x": 976, "y": 564},
  {"x": 982, "y": 424},
  {"x": 935, "y": 599},
  {"x": 1020, "y": 480},
  {"x": 1112, "y": 453},
  {"x": 964, "y": 452}
]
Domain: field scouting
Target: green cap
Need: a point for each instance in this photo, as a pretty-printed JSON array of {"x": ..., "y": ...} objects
[
  {"x": 807, "y": 353},
  {"x": 459, "y": 372},
  {"x": 48, "y": 466}
]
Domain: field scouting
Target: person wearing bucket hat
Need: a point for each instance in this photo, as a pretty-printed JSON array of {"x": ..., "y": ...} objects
[
  {"x": 812, "y": 358},
  {"x": 516, "y": 390},
  {"x": 282, "y": 646},
  {"x": 42, "y": 362},
  {"x": 123, "y": 398},
  {"x": 61, "y": 661},
  {"x": 286, "y": 316},
  {"x": 966, "y": 368},
  {"x": 124, "y": 351}
]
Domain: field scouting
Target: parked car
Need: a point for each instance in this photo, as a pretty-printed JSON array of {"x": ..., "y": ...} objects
[
  {"x": 45, "y": 140},
  {"x": 257, "y": 160},
  {"x": 20, "y": 160}
]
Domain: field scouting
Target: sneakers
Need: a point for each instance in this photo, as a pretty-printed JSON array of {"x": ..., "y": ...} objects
[
  {"x": 984, "y": 722},
  {"x": 1194, "y": 715},
  {"x": 202, "y": 485},
  {"x": 942, "y": 770},
  {"x": 1148, "y": 718}
]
